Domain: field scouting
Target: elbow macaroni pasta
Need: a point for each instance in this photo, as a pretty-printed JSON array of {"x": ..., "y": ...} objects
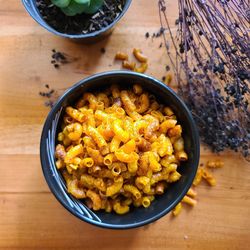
[{"x": 119, "y": 148}]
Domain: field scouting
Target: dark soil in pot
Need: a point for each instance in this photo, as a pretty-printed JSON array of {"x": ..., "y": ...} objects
[{"x": 83, "y": 23}]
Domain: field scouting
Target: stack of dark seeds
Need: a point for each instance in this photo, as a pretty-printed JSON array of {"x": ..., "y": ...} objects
[
  {"x": 213, "y": 54},
  {"x": 80, "y": 24}
]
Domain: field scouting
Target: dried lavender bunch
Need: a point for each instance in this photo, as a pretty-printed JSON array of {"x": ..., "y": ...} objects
[{"x": 212, "y": 66}]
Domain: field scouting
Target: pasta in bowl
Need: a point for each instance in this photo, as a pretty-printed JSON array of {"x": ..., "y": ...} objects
[{"x": 122, "y": 152}]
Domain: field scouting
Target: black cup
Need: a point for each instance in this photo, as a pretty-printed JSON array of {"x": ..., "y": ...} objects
[
  {"x": 137, "y": 216},
  {"x": 30, "y": 6}
]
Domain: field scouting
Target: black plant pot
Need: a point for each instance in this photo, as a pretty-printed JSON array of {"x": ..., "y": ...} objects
[
  {"x": 30, "y": 6},
  {"x": 137, "y": 216}
]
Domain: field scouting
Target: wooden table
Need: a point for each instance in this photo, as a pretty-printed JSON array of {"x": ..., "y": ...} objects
[{"x": 30, "y": 216}]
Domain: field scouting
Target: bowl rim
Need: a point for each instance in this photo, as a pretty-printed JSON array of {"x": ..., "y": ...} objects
[
  {"x": 34, "y": 13},
  {"x": 57, "y": 106}
]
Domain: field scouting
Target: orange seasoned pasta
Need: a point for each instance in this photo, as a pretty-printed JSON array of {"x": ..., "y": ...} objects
[
  {"x": 120, "y": 148},
  {"x": 202, "y": 174}
]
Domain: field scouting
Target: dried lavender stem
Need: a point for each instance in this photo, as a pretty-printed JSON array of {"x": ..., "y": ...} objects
[{"x": 213, "y": 53}]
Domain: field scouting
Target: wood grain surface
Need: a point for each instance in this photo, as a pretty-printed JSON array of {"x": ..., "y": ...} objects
[{"x": 30, "y": 216}]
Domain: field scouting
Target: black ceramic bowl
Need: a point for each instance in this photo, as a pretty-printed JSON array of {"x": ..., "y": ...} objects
[
  {"x": 30, "y": 6},
  {"x": 138, "y": 216}
]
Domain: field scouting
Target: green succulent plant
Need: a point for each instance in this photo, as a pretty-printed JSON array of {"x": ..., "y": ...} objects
[{"x": 74, "y": 7}]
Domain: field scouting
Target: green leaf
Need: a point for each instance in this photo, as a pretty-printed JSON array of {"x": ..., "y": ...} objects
[
  {"x": 83, "y": 1},
  {"x": 61, "y": 3},
  {"x": 94, "y": 6},
  {"x": 74, "y": 8}
]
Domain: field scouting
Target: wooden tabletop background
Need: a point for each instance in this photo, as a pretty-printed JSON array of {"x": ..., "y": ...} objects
[{"x": 30, "y": 216}]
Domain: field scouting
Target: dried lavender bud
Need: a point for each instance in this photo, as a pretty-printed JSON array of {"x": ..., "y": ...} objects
[
  {"x": 103, "y": 50},
  {"x": 182, "y": 50},
  {"x": 49, "y": 104}
]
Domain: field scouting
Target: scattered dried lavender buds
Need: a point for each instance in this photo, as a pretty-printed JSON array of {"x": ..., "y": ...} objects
[
  {"x": 51, "y": 96},
  {"x": 160, "y": 32},
  {"x": 60, "y": 58}
]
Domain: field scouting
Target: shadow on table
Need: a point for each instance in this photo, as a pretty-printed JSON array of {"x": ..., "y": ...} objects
[{"x": 40, "y": 221}]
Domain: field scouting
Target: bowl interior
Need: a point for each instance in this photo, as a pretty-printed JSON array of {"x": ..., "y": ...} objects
[{"x": 163, "y": 203}]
